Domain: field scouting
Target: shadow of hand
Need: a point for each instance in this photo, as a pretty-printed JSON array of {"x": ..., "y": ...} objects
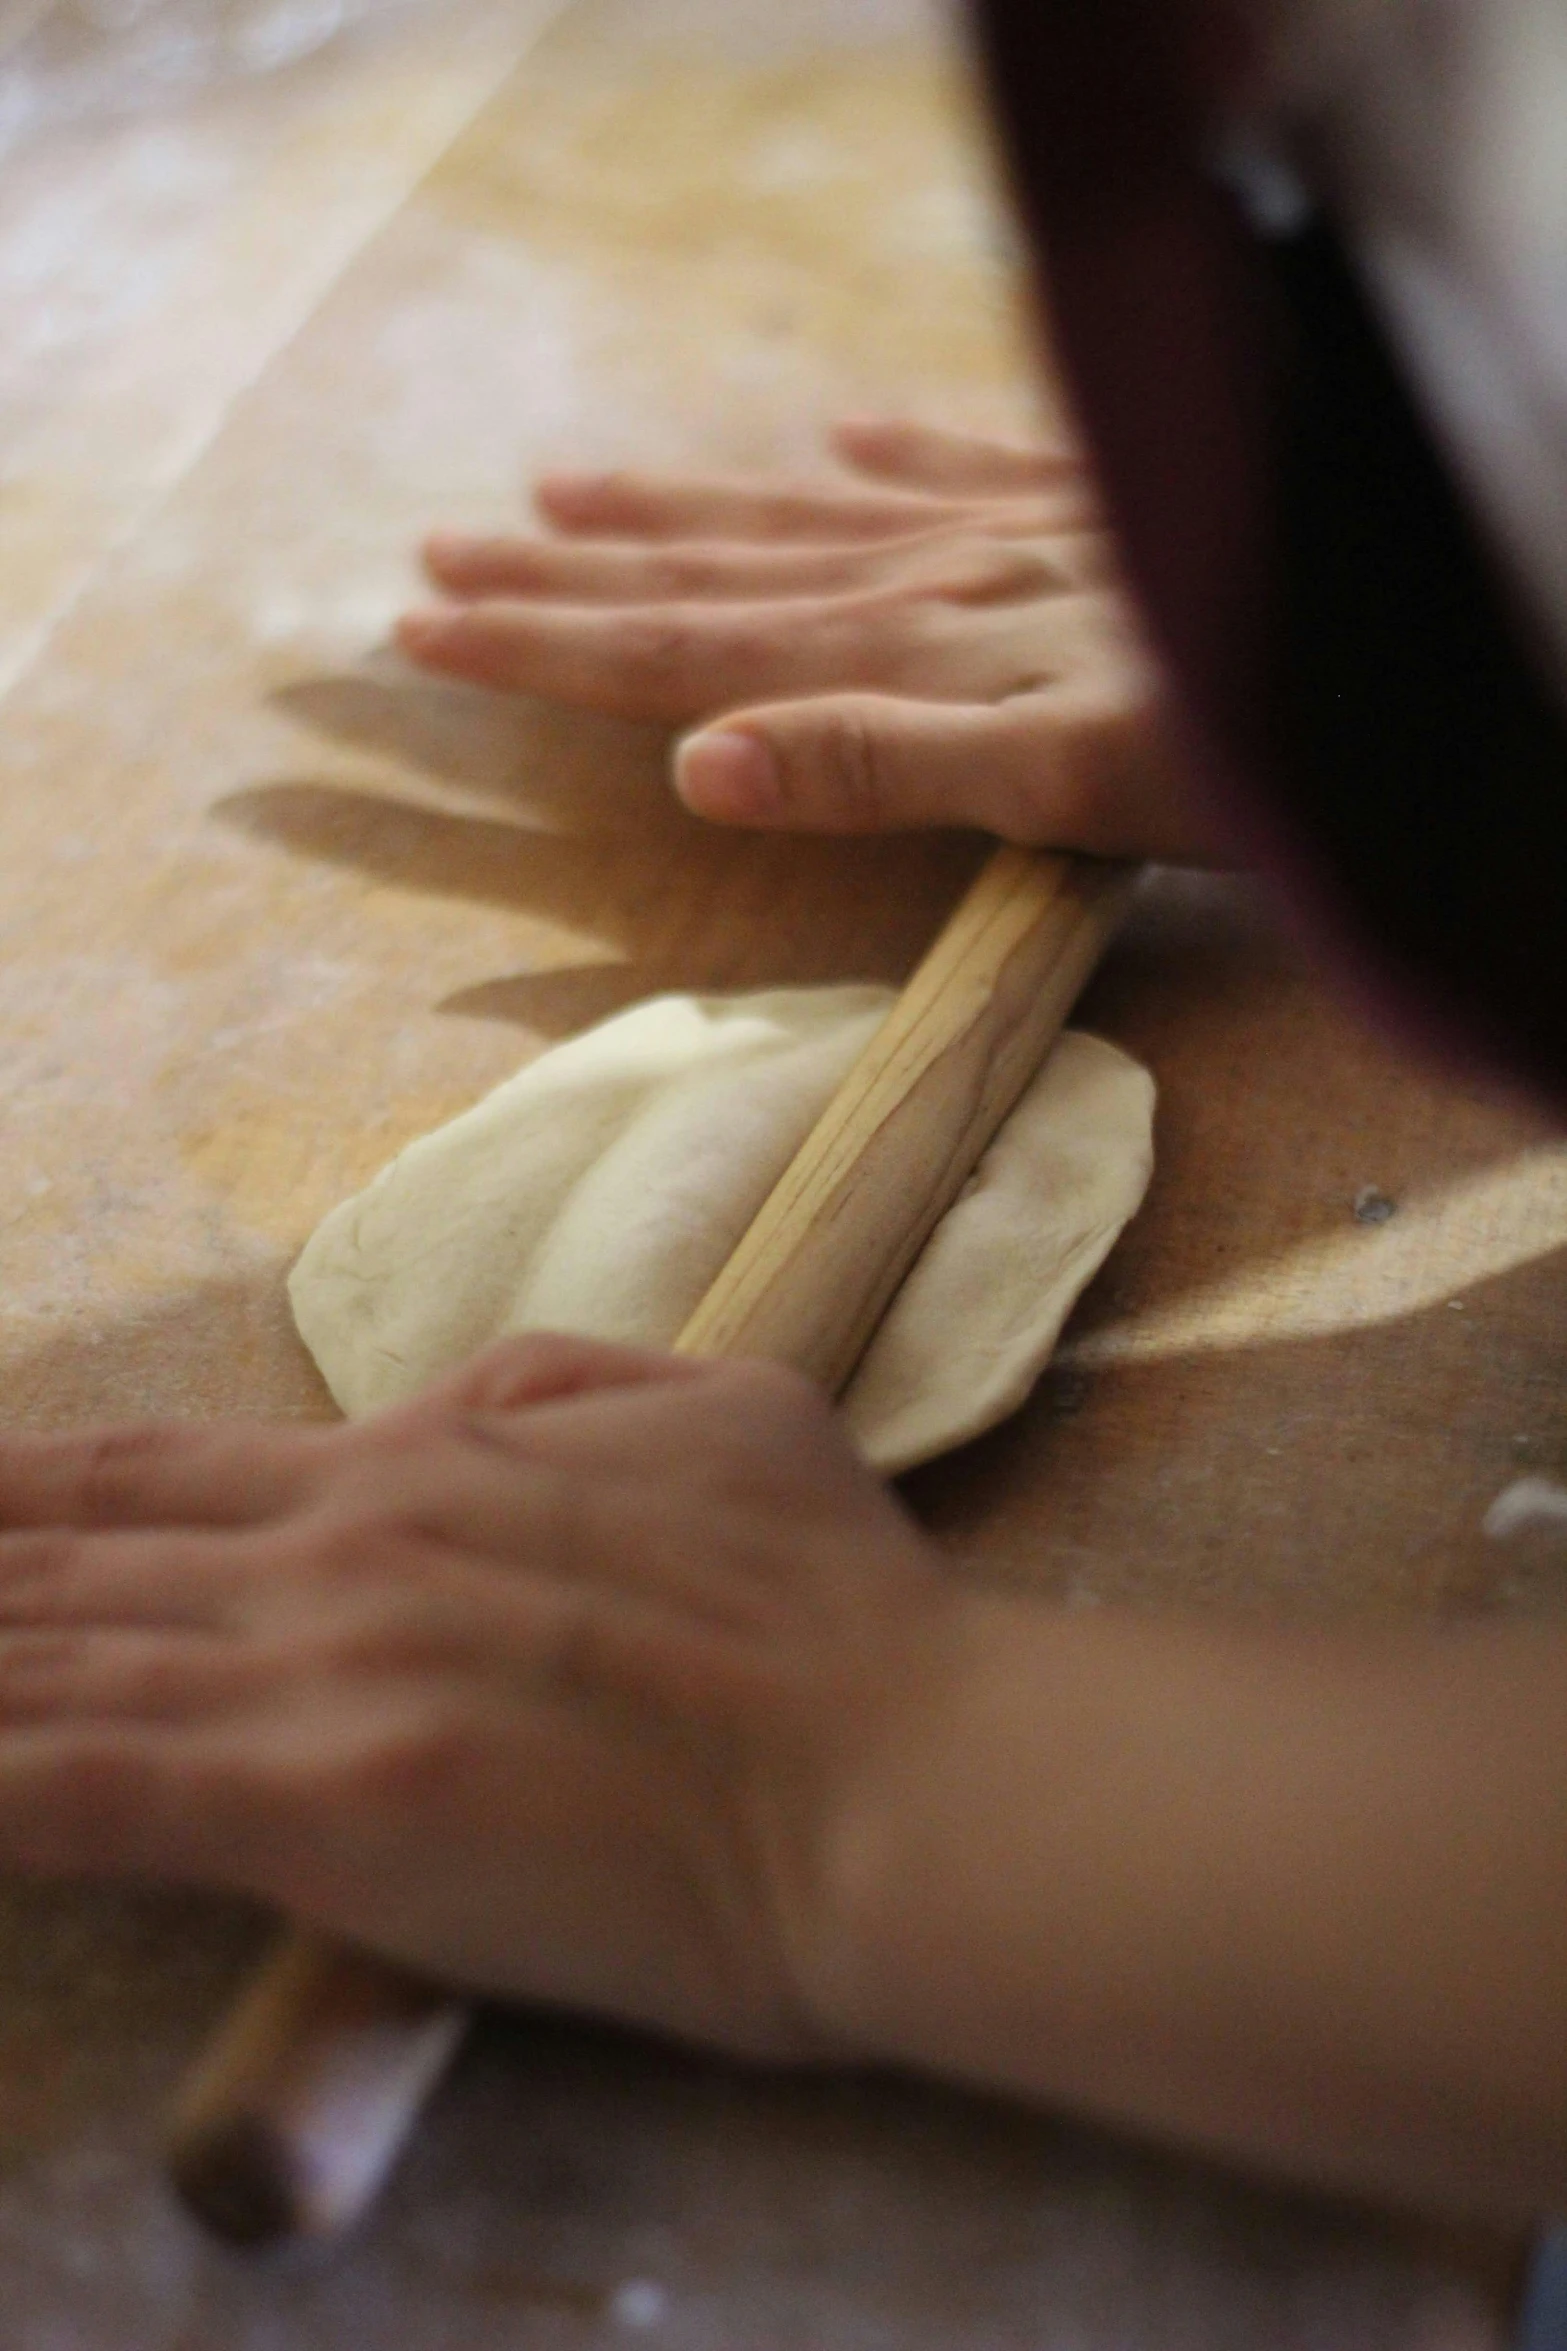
[{"x": 582, "y": 832}]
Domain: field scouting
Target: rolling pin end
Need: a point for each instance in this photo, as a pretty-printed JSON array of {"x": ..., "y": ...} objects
[
  {"x": 236, "y": 2180},
  {"x": 305, "y": 2101}
]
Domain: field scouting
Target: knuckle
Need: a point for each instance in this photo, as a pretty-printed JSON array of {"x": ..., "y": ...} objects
[
  {"x": 365, "y": 1450},
  {"x": 1085, "y": 562},
  {"x": 34, "y": 1661},
  {"x": 40, "y": 1556},
  {"x": 1014, "y": 575},
  {"x": 390, "y": 1642},
  {"x": 658, "y": 649},
  {"x": 117, "y": 1461},
  {"x": 547, "y": 1507},
  {"x": 573, "y": 1645},
  {"x": 681, "y": 573},
  {"x": 414, "y": 1760},
  {"x": 512, "y": 1371},
  {"x": 762, "y": 1396},
  {"x": 853, "y": 769},
  {"x": 968, "y": 567},
  {"x": 363, "y": 1543},
  {"x": 747, "y": 648}
]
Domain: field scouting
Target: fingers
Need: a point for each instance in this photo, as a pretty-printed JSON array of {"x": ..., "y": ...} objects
[
  {"x": 628, "y": 1491},
  {"x": 575, "y": 571},
  {"x": 594, "y": 1412},
  {"x": 124, "y": 1799},
  {"x": 953, "y": 465},
  {"x": 550, "y": 1425},
  {"x": 66, "y": 1576},
  {"x": 61, "y": 1673},
  {"x": 647, "y": 506},
  {"x": 1033, "y": 769},
  {"x": 484, "y": 1430},
  {"x": 544, "y": 1367},
  {"x": 630, "y": 1427},
  {"x": 669, "y": 663},
  {"x": 156, "y": 1473}
]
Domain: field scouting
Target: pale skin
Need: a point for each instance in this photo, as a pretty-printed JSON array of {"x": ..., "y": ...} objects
[
  {"x": 614, "y": 1680},
  {"x": 937, "y": 637}
]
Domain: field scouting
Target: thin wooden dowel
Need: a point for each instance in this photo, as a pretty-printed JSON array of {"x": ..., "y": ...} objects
[
  {"x": 304, "y": 2100},
  {"x": 302, "y": 2104},
  {"x": 814, "y": 1274}
]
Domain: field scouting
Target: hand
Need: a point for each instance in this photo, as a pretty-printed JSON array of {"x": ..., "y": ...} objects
[
  {"x": 949, "y": 647},
  {"x": 548, "y": 1684},
  {"x": 613, "y": 1680}
]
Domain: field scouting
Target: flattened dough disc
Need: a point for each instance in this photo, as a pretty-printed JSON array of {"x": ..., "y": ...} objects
[{"x": 602, "y": 1190}]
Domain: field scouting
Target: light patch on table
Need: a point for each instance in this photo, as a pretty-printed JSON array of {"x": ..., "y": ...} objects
[
  {"x": 1356, "y": 1275},
  {"x": 146, "y": 280}
]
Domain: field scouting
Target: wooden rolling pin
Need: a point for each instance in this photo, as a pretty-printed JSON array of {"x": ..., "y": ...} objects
[{"x": 305, "y": 2098}]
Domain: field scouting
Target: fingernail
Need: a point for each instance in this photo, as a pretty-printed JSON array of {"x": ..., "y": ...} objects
[{"x": 726, "y": 773}]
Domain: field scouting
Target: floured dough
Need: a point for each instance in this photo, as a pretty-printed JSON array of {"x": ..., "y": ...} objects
[{"x": 602, "y": 1190}]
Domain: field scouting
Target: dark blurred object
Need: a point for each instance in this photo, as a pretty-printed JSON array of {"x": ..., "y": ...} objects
[{"x": 1359, "y": 684}]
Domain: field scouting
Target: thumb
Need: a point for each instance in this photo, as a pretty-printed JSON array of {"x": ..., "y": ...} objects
[
  {"x": 843, "y": 763},
  {"x": 1064, "y": 766}
]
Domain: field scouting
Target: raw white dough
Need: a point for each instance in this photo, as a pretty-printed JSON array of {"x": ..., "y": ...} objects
[{"x": 602, "y": 1190}]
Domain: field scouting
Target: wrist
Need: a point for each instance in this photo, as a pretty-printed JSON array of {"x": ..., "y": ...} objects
[{"x": 910, "y": 1843}]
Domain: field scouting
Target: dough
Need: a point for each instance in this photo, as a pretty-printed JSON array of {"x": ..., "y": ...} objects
[{"x": 602, "y": 1190}]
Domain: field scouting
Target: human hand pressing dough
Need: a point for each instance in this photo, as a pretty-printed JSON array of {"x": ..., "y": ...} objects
[
  {"x": 549, "y": 1684},
  {"x": 941, "y": 642},
  {"x": 612, "y": 1680}
]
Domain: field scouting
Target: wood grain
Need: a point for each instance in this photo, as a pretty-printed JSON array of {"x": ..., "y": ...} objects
[
  {"x": 816, "y": 1271},
  {"x": 270, "y": 910}
]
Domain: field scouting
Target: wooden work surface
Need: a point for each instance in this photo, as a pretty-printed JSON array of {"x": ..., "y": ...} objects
[{"x": 271, "y": 905}]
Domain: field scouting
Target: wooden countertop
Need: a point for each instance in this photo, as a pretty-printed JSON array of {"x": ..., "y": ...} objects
[{"x": 271, "y": 905}]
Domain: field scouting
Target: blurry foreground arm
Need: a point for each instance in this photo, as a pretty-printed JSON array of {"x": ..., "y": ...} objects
[
  {"x": 1293, "y": 1896},
  {"x": 613, "y": 1680}
]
